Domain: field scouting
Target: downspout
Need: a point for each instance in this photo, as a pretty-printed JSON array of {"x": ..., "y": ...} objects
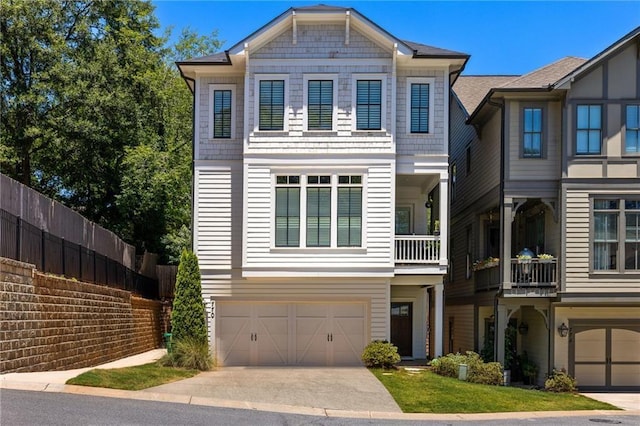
[
  {"x": 499, "y": 105},
  {"x": 193, "y": 156}
]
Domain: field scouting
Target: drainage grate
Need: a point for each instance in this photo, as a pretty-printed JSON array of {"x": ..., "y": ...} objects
[{"x": 611, "y": 422}]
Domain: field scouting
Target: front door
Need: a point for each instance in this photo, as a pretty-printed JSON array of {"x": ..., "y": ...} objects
[{"x": 401, "y": 327}]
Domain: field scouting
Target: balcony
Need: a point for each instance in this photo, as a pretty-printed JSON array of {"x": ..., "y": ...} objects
[
  {"x": 534, "y": 277},
  {"x": 418, "y": 254}
]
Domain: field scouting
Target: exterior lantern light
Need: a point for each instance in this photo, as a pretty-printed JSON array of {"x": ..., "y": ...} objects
[
  {"x": 563, "y": 330},
  {"x": 523, "y": 328}
]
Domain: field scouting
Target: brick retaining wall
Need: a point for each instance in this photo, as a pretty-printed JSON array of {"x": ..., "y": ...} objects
[{"x": 51, "y": 323}]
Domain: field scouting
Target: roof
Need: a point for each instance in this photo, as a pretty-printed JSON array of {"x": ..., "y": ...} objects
[
  {"x": 221, "y": 58},
  {"x": 472, "y": 89},
  {"x": 547, "y": 75},
  {"x": 425, "y": 51}
]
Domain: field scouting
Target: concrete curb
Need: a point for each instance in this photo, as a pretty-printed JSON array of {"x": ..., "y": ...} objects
[{"x": 290, "y": 409}]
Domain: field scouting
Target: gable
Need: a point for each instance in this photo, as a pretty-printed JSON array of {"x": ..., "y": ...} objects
[{"x": 320, "y": 41}]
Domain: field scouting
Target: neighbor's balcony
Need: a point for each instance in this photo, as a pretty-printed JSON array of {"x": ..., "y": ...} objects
[
  {"x": 417, "y": 249},
  {"x": 534, "y": 277}
]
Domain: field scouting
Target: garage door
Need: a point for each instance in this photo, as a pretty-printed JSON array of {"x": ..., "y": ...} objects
[
  {"x": 606, "y": 357},
  {"x": 286, "y": 333}
]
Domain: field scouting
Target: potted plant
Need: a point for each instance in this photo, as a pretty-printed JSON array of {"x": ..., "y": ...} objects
[
  {"x": 524, "y": 258},
  {"x": 545, "y": 258}
]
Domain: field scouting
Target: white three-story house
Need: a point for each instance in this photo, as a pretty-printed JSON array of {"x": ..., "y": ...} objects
[{"x": 321, "y": 190}]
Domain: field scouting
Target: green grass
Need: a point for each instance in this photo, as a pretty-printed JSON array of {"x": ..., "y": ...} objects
[
  {"x": 427, "y": 392},
  {"x": 132, "y": 378}
]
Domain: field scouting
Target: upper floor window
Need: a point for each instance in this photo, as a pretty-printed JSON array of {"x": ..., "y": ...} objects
[
  {"x": 532, "y": 132},
  {"x": 419, "y": 105},
  {"x": 349, "y": 211},
  {"x": 320, "y": 105},
  {"x": 319, "y": 211},
  {"x": 632, "y": 134},
  {"x": 588, "y": 129},
  {"x": 616, "y": 221},
  {"x": 222, "y": 116},
  {"x": 287, "y": 211},
  {"x": 271, "y": 102},
  {"x": 369, "y": 105}
]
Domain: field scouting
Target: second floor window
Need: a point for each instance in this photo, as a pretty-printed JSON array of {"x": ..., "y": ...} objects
[
  {"x": 632, "y": 134},
  {"x": 419, "y": 108},
  {"x": 287, "y": 211},
  {"x": 588, "y": 129},
  {"x": 616, "y": 235},
  {"x": 369, "y": 105},
  {"x": 532, "y": 133},
  {"x": 318, "y": 211},
  {"x": 222, "y": 113},
  {"x": 320, "y": 105},
  {"x": 349, "y": 211},
  {"x": 271, "y": 105}
]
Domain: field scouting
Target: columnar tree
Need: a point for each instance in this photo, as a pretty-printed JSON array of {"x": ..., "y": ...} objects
[{"x": 188, "y": 316}]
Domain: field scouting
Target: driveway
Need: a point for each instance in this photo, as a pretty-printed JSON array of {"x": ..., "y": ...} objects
[{"x": 340, "y": 388}]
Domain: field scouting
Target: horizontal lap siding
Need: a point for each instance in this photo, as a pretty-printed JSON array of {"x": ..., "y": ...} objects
[
  {"x": 260, "y": 216},
  {"x": 463, "y": 329},
  {"x": 372, "y": 292}
]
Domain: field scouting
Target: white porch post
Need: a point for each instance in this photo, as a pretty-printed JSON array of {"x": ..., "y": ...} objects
[
  {"x": 444, "y": 218},
  {"x": 438, "y": 292},
  {"x": 501, "y": 325}
]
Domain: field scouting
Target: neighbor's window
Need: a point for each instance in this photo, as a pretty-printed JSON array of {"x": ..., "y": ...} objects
[
  {"x": 320, "y": 105},
  {"x": 632, "y": 134},
  {"x": 349, "y": 211},
  {"x": 287, "y": 211},
  {"x": 589, "y": 129},
  {"x": 419, "y": 108},
  {"x": 532, "y": 133},
  {"x": 369, "y": 105},
  {"x": 271, "y": 105},
  {"x": 319, "y": 211}
]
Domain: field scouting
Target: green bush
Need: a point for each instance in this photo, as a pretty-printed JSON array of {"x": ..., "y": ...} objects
[
  {"x": 188, "y": 314},
  {"x": 560, "y": 381},
  {"x": 380, "y": 354},
  {"x": 189, "y": 353},
  {"x": 486, "y": 374}
]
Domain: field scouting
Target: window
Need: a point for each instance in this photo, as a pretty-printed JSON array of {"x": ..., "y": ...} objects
[
  {"x": 320, "y": 105},
  {"x": 272, "y": 102},
  {"x": 349, "y": 211},
  {"x": 420, "y": 105},
  {"x": 369, "y": 105},
  {"x": 588, "y": 129},
  {"x": 318, "y": 211},
  {"x": 287, "y": 211},
  {"x": 615, "y": 221},
  {"x": 632, "y": 134},
  {"x": 222, "y": 115},
  {"x": 532, "y": 132}
]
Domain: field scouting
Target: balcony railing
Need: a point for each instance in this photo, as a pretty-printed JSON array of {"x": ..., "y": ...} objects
[
  {"x": 488, "y": 278},
  {"x": 534, "y": 273},
  {"x": 417, "y": 249}
]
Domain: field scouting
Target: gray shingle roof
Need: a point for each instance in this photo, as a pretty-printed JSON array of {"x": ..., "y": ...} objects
[
  {"x": 472, "y": 89},
  {"x": 423, "y": 50},
  {"x": 546, "y": 75},
  {"x": 216, "y": 58}
]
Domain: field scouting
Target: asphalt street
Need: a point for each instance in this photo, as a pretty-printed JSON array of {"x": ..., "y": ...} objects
[{"x": 50, "y": 408}]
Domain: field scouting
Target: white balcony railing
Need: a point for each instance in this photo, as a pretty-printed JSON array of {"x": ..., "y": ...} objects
[{"x": 417, "y": 249}]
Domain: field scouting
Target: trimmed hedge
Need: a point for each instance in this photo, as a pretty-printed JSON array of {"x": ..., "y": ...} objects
[
  {"x": 478, "y": 370},
  {"x": 188, "y": 314},
  {"x": 380, "y": 354}
]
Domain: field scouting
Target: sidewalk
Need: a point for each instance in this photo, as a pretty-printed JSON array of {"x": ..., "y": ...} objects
[{"x": 54, "y": 382}]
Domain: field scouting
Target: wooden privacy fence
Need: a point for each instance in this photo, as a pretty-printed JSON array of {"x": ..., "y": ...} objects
[{"x": 25, "y": 242}]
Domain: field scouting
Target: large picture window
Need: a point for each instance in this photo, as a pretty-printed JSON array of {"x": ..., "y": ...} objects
[
  {"x": 589, "y": 129},
  {"x": 616, "y": 235}
]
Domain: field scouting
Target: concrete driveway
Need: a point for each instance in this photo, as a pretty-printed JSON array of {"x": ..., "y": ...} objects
[{"x": 340, "y": 388}]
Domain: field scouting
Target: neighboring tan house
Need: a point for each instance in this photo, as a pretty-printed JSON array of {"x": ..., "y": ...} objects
[
  {"x": 321, "y": 190},
  {"x": 549, "y": 162}
]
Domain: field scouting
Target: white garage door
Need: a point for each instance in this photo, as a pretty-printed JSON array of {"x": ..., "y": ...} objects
[
  {"x": 286, "y": 333},
  {"x": 606, "y": 358}
]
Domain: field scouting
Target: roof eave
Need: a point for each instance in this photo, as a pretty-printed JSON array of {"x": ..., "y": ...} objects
[{"x": 491, "y": 92}]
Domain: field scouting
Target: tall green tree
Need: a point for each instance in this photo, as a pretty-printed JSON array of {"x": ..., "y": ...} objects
[{"x": 188, "y": 314}]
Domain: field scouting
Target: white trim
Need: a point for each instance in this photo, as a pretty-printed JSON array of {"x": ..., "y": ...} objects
[
  {"x": 305, "y": 99},
  {"x": 256, "y": 101},
  {"x": 383, "y": 95},
  {"x": 212, "y": 89},
  {"x": 328, "y": 62},
  {"x": 196, "y": 120},
  {"x": 447, "y": 96},
  {"x": 431, "y": 81}
]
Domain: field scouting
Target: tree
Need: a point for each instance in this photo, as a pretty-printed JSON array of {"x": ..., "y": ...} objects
[{"x": 188, "y": 315}]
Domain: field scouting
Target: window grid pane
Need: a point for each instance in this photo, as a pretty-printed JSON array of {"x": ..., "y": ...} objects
[
  {"x": 318, "y": 217},
  {"x": 271, "y": 110},
  {"x": 349, "y": 216},
  {"x": 369, "y": 105},
  {"x": 588, "y": 129},
  {"x": 222, "y": 114},
  {"x": 532, "y": 133},
  {"x": 632, "y": 134},
  {"x": 320, "y": 105},
  {"x": 420, "y": 108},
  {"x": 287, "y": 216}
]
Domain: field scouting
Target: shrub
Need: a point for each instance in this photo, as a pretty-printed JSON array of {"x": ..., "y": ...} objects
[
  {"x": 448, "y": 365},
  {"x": 188, "y": 314},
  {"x": 380, "y": 354},
  {"x": 486, "y": 374},
  {"x": 560, "y": 381},
  {"x": 189, "y": 353}
]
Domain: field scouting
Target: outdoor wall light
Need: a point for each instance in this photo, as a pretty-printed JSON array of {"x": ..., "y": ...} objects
[
  {"x": 429, "y": 203},
  {"x": 523, "y": 328},
  {"x": 563, "y": 330}
]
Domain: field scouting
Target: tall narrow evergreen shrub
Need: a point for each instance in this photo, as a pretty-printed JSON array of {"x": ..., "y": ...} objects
[{"x": 188, "y": 316}]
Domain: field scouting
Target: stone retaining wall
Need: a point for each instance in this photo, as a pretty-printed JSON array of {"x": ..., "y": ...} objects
[{"x": 51, "y": 323}]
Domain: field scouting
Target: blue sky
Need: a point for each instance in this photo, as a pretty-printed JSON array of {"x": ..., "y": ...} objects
[{"x": 501, "y": 37}]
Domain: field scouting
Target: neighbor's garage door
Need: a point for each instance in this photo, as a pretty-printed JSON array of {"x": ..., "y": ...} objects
[
  {"x": 606, "y": 357},
  {"x": 286, "y": 333}
]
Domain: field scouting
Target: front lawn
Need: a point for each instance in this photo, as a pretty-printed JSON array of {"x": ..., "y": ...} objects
[
  {"x": 132, "y": 378},
  {"x": 426, "y": 392}
]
